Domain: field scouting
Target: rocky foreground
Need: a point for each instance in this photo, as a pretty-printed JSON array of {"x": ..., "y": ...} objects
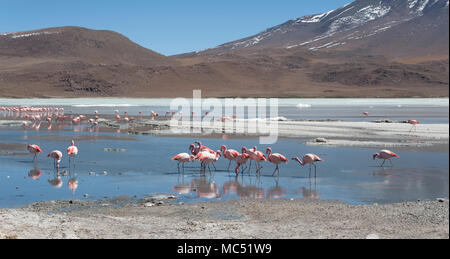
[{"x": 277, "y": 219}]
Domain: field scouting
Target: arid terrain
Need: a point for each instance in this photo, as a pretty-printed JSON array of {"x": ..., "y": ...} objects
[
  {"x": 273, "y": 219},
  {"x": 364, "y": 49}
]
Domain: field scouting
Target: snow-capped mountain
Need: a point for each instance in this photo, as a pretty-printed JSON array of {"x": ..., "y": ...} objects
[{"x": 353, "y": 26}]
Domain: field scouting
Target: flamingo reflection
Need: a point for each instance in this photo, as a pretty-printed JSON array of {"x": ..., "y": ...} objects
[
  {"x": 35, "y": 174},
  {"x": 56, "y": 181},
  {"x": 205, "y": 188},
  {"x": 276, "y": 191}
]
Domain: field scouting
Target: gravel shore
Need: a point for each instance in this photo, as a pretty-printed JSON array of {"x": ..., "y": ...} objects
[{"x": 273, "y": 219}]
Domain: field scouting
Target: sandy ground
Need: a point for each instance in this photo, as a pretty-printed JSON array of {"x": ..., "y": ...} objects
[{"x": 273, "y": 219}]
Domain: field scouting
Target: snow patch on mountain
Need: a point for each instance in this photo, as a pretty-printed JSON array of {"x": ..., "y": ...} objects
[
  {"x": 315, "y": 18},
  {"x": 361, "y": 17},
  {"x": 16, "y": 35}
]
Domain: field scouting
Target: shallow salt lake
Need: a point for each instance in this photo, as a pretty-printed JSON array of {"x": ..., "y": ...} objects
[
  {"x": 426, "y": 110},
  {"x": 139, "y": 165}
]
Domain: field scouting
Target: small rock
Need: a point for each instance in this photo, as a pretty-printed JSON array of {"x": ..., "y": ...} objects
[
  {"x": 85, "y": 195},
  {"x": 91, "y": 173},
  {"x": 160, "y": 202},
  {"x": 105, "y": 173},
  {"x": 440, "y": 199},
  {"x": 149, "y": 204},
  {"x": 320, "y": 140}
]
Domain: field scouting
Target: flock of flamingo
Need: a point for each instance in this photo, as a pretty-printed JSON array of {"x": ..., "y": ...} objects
[{"x": 205, "y": 155}]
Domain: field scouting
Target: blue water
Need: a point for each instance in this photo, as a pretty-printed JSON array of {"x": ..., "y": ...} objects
[{"x": 144, "y": 167}]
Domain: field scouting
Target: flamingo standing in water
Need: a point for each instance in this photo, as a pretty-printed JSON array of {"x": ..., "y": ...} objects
[
  {"x": 241, "y": 160},
  {"x": 385, "y": 155},
  {"x": 413, "y": 123},
  {"x": 255, "y": 155},
  {"x": 275, "y": 159},
  {"x": 229, "y": 154},
  {"x": 57, "y": 156},
  {"x": 183, "y": 158},
  {"x": 72, "y": 151},
  {"x": 310, "y": 159},
  {"x": 34, "y": 149},
  {"x": 207, "y": 158}
]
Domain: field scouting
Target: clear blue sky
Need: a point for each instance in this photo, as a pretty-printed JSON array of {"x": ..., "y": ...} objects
[{"x": 166, "y": 26}]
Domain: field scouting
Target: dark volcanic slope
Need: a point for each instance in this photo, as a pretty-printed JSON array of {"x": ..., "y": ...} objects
[{"x": 394, "y": 28}]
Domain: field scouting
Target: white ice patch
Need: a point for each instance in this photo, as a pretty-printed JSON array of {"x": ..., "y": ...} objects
[
  {"x": 315, "y": 18},
  {"x": 412, "y": 3},
  {"x": 17, "y": 35},
  {"x": 361, "y": 17},
  {"x": 422, "y": 5}
]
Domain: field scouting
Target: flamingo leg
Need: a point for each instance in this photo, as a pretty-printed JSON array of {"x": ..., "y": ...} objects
[
  {"x": 259, "y": 167},
  {"x": 315, "y": 170},
  {"x": 383, "y": 163},
  {"x": 390, "y": 162},
  {"x": 229, "y": 164},
  {"x": 276, "y": 169}
]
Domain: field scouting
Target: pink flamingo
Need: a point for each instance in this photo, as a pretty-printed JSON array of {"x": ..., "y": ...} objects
[
  {"x": 57, "y": 156},
  {"x": 207, "y": 158},
  {"x": 385, "y": 155},
  {"x": 275, "y": 159},
  {"x": 204, "y": 148},
  {"x": 183, "y": 158},
  {"x": 194, "y": 150},
  {"x": 72, "y": 151},
  {"x": 34, "y": 149},
  {"x": 241, "y": 160},
  {"x": 255, "y": 155},
  {"x": 310, "y": 159},
  {"x": 229, "y": 154},
  {"x": 413, "y": 123}
]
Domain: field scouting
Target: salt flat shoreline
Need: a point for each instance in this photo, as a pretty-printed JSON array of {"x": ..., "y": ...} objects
[
  {"x": 336, "y": 133},
  {"x": 255, "y": 219}
]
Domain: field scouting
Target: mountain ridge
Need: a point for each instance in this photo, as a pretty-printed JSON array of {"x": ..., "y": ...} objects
[{"x": 307, "y": 60}]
